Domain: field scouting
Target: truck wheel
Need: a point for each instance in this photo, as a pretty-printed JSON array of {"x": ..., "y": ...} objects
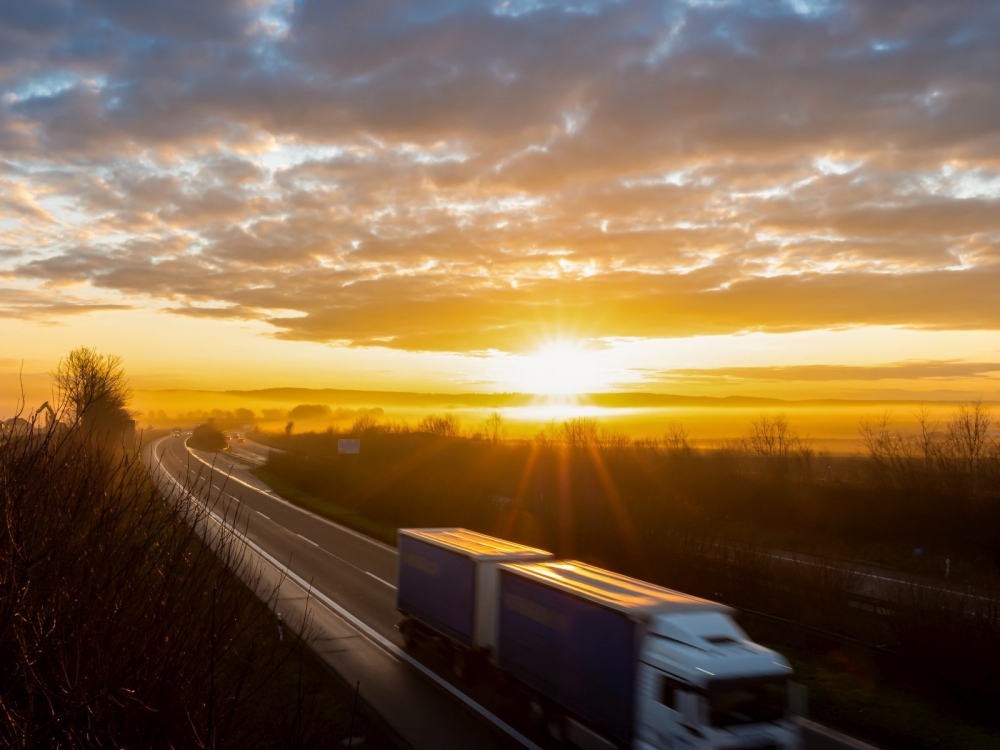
[
  {"x": 536, "y": 712},
  {"x": 460, "y": 664},
  {"x": 409, "y": 633},
  {"x": 555, "y": 727}
]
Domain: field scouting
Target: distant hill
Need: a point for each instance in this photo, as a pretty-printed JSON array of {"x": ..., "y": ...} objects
[{"x": 620, "y": 399}]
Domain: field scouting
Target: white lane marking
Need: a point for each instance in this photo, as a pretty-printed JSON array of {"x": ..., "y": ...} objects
[
  {"x": 271, "y": 494},
  {"x": 384, "y": 583},
  {"x": 268, "y": 492},
  {"x": 322, "y": 549},
  {"x": 365, "y": 629},
  {"x": 267, "y": 517}
]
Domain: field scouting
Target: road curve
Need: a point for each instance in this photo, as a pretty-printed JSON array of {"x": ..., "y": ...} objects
[{"x": 347, "y": 581}]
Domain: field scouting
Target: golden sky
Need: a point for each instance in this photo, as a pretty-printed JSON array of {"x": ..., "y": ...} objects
[{"x": 792, "y": 198}]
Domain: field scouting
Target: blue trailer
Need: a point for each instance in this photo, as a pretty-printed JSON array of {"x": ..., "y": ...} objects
[
  {"x": 446, "y": 584},
  {"x": 577, "y": 653},
  {"x": 605, "y": 661}
]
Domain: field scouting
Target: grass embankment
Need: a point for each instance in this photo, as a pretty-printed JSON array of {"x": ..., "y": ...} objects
[
  {"x": 121, "y": 627},
  {"x": 321, "y": 507},
  {"x": 845, "y": 693}
]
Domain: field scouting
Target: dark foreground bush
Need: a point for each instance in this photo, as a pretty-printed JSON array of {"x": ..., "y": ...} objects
[
  {"x": 206, "y": 437},
  {"x": 118, "y": 626}
]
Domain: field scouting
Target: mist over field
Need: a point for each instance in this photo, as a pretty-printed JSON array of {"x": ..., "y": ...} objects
[{"x": 829, "y": 425}]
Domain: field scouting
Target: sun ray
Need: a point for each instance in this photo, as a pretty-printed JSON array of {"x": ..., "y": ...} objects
[{"x": 628, "y": 535}]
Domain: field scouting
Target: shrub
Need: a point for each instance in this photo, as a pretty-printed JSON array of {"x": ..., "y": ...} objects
[
  {"x": 206, "y": 437},
  {"x": 118, "y": 626}
]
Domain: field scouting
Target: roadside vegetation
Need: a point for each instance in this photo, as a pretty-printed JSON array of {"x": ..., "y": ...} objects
[
  {"x": 706, "y": 521},
  {"x": 120, "y": 626},
  {"x": 927, "y": 502},
  {"x": 207, "y": 437}
]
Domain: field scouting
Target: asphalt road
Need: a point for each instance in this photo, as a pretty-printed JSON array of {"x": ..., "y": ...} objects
[
  {"x": 341, "y": 584},
  {"x": 346, "y": 584}
]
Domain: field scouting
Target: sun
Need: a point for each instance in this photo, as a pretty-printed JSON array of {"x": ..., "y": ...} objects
[{"x": 557, "y": 368}]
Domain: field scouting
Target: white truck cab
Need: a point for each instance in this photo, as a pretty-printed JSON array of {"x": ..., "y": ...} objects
[{"x": 702, "y": 683}]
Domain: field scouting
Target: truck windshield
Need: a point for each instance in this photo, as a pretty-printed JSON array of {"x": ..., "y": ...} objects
[{"x": 734, "y": 702}]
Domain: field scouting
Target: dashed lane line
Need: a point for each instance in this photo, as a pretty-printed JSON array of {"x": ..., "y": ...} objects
[{"x": 370, "y": 633}]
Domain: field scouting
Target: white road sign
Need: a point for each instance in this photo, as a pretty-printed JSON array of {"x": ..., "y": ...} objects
[{"x": 348, "y": 446}]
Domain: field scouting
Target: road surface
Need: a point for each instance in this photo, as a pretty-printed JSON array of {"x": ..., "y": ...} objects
[{"x": 346, "y": 582}]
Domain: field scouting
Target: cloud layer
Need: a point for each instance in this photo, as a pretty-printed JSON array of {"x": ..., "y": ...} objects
[{"x": 463, "y": 176}]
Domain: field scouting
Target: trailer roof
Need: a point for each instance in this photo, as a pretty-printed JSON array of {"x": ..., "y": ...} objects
[
  {"x": 474, "y": 544},
  {"x": 612, "y": 590}
]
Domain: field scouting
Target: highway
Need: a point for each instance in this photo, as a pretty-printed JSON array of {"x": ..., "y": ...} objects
[
  {"x": 347, "y": 582},
  {"x": 343, "y": 583}
]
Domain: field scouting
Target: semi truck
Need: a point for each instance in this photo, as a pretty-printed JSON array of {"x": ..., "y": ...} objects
[{"x": 603, "y": 661}]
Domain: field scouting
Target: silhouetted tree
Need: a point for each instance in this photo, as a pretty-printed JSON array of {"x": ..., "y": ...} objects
[
  {"x": 93, "y": 388},
  {"x": 495, "y": 429},
  {"x": 968, "y": 434},
  {"x": 580, "y": 431},
  {"x": 677, "y": 438},
  {"x": 445, "y": 426},
  {"x": 770, "y": 437},
  {"x": 365, "y": 422}
]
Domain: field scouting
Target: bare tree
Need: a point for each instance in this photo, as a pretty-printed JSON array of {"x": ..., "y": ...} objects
[
  {"x": 396, "y": 428},
  {"x": 770, "y": 437},
  {"x": 647, "y": 444},
  {"x": 93, "y": 388},
  {"x": 580, "y": 431},
  {"x": 288, "y": 429},
  {"x": 365, "y": 422},
  {"x": 890, "y": 452},
  {"x": 614, "y": 439},
  {"x": 444, "y": 426},
  {"x": 928, "y": 439},
  {"x": 548, "y": 435},
  {"x": 678, "y": 438},
  {"x": 495, "y": 429},
  {"x": 968, "y": 435}
]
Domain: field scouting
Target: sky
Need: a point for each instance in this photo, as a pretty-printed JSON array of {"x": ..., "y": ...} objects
[{"x": 792, "y": 198}]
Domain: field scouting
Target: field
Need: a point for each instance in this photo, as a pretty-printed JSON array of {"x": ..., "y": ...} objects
[{"x": 828, "y": 426}]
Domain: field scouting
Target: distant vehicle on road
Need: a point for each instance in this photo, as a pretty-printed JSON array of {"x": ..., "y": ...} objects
[
  {"x": 177, "y": 432},
  {"x": 241, "y": 440},
  {"x": 604, "y": 661}
]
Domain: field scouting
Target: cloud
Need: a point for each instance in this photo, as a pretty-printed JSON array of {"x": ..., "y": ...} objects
[
  {"x": 30, "y": 305},
  {"x": 932, "y": 370},
  {"x": 462, "y": 176}
]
